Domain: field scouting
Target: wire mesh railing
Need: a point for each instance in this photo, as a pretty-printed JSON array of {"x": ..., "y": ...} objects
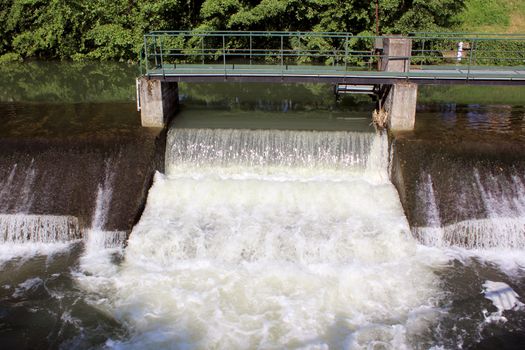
[{"x": 166, "y": 52}]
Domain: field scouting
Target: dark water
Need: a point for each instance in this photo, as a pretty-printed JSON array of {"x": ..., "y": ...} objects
[
  {"x": 460, "y": 174},
  {"x": 71, "y": 139},
  {"x": 41, "y": 306},
  {"x": 69, "y": 132}
]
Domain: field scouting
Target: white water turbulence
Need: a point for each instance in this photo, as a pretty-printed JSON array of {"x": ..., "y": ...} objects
[
  {"x": 25, "y": 235},
  {"x": 281, "y": 239},
  {"x": 503, "y": 227},
  {"x": 503, "y": 297},
  {"x": 101, "y": 244}
]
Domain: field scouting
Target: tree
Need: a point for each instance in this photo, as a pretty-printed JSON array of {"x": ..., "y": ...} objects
[{"x": 102, "y": 30}]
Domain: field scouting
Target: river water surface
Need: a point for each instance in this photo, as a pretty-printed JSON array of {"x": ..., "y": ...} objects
[{"x": 271, "y": 220}]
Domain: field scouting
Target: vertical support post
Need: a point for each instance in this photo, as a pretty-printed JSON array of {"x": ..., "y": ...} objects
[
  {"x": 346, "y": 52},
  {"x": 146, "y": 53},
  {"x": 202, "y": 48},
  {"x": 224, "y": 53},
  {"x": 422, "y": 52},
  {"x": 161, "y": 57},
  {"x": 282, "y": 52},
  {"x": 397, "y": 51},
  {"x": 334, "y": 52},
  {"x": 250, "y": 48},
  {"x": 400, "y": 100},
  {"x": 470, "y": 61},
  {"x": 473, "y": 49},
  {"x": 155, "y": 50},
  {"x": 158, "y": 101},
  {"x": 140, "y": 61}
]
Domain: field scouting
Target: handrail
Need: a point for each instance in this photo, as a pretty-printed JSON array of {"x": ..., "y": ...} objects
[
  {"x": 478, "y": 34},
  {"x": 247, "y": 33},
  {"x": 168, "y": 50}
]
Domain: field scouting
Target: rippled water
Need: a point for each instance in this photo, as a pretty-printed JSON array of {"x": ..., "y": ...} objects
[{"x": 471, "y": 122}]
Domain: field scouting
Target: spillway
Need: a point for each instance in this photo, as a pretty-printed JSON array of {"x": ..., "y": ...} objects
[{"x": 272, "y": 239}]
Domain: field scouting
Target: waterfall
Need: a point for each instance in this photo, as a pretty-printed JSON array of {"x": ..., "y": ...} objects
[
  {"x": 5, "y": 187},
  {"x": 101, "y": 244},
  {"x": 96, "y": 237},
  {"x": 21, "y": 228},
  {"x": 23, "y": 234},
  {"x": 257, "y": 238},
  {"x": 503, "y": 200},
  {"x": 267, "y": 152}
]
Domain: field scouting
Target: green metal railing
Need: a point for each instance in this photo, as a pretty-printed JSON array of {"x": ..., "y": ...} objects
[
  {"x": 167, "y": 52},
  {"x": 170, "y": 49},
  {"x": 478, "y": 50}
]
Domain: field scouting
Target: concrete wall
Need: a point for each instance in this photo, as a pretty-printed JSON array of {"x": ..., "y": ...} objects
[{"x": 158, "y": 101}]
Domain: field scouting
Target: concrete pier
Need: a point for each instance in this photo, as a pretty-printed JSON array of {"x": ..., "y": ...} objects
[
  {"x": 400, "y": 105},
  {"x": 400, "y": 100},
  {"x": 158, "y": 101}
]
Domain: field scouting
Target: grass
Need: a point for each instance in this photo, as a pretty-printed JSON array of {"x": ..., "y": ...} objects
[{"x": 493, "y": 16}]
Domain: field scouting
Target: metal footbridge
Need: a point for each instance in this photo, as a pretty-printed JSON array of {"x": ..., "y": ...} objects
[{"x": 338, "y": 58}]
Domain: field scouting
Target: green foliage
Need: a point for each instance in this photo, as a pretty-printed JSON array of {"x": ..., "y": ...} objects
[
  {"x": 500, "y": 53},
  {"x": 102, "y": 30},
  {"x": 401, "y": 16},
  {"x": 111, "y": 41},
  {"x": 492, "y": 16},
  {"x": 95, "y": 29},
  {"x": 9, "y": 57}
]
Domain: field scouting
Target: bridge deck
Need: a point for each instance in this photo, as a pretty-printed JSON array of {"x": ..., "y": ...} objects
[{"x": 338, "y": 74}]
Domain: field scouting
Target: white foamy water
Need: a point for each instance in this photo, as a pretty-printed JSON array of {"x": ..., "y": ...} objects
[
  {"x": 503, "y": 228},
  {"x": 100, "y": 244},
  {"x": 273, "y": 245},
  {"x": 21, "y": 228},
  {"x": 24, "y": 235},
  {"x": 503, "y": 297},
  {"x": 270, "y": 154}
]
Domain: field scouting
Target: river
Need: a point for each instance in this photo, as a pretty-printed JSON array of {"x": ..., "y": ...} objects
[{"x": 266, "y": 216}]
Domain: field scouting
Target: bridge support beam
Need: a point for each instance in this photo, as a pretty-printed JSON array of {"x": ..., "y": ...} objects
[
  {"x": 157, "y": 101},
  {"x": 400, "y": 99}
]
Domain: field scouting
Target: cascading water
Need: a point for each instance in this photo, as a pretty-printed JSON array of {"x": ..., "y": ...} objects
[
  {"x": 101, "y": 245},
  {"x": 272, "y": 239},
  {"x": 502, "y": 201},
  {"x": 23, "y": 234},
  {"x": 21, "y": 228}
]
